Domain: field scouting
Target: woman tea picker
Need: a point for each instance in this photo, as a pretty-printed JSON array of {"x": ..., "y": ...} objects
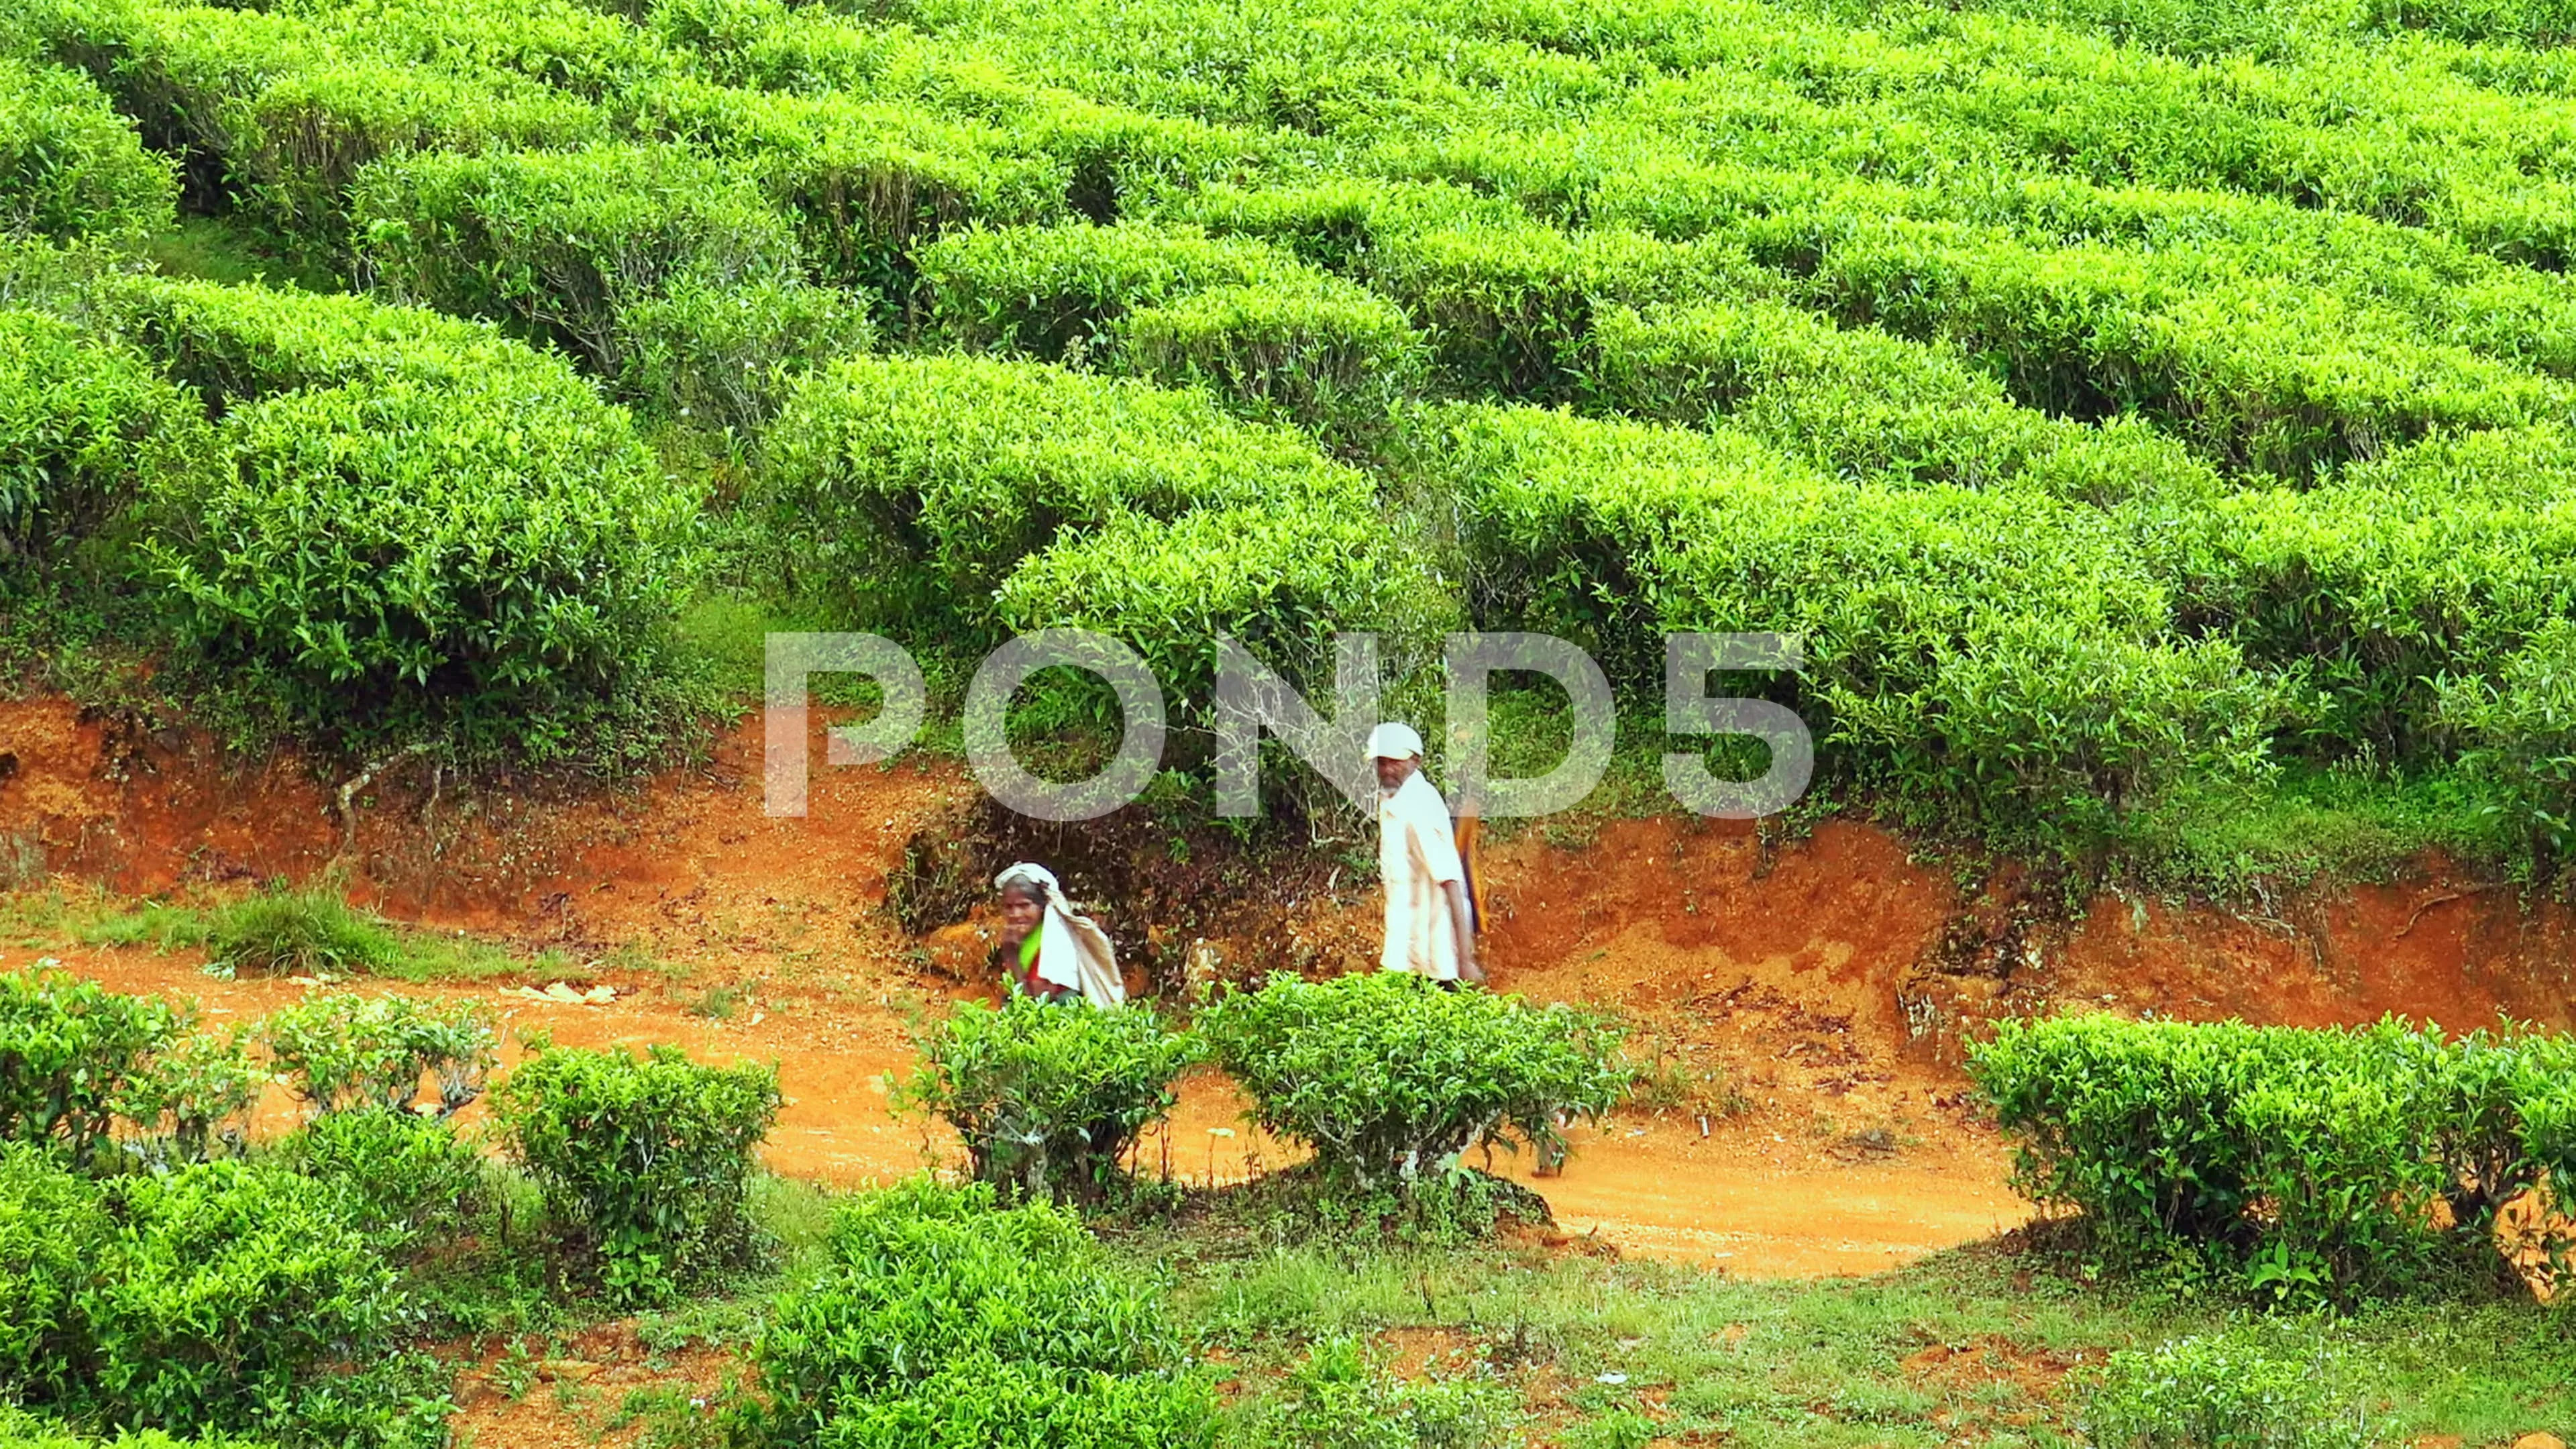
[{"x": 1048, "y": 950}]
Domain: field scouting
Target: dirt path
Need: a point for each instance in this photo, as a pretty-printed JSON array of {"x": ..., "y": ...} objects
[
  {"x": 1766, "y": 1193},
  {"x": 1808, "y": 996}
]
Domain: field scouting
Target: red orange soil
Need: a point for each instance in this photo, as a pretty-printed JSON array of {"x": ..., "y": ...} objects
[
  {"x": 569, "y": 1397},
  {"x": 1823, "y": 984}
]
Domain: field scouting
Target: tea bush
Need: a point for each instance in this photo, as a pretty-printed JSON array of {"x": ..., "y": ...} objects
[
  {"x": 1338, "y": 1399},
  {"x": 228, "y": 1295},
  {"x": 71, "y": 1054},
  {"x": 865, "y": 183},
  {"x": 484, "y": 558},
  {"x": 985, "y": 1403},
  {"x": 1277, "y": 579},
  {"x": 284, "y": 111},
  {"x": 1053, "y": 291},
  {"x": 769, "y": 45},
  {"x": 349, "y": 1053},
  {"x": 2402, "y": 588},
  {"x": 1336, "y": 222},
  {"x": 2235, "y": 365},
  {"x": 410, "y": 1182},
  {"x": 561, "y": 242},
  {"x": 904, "y": 490},
  {"x": 1336, "y": 360},
  {"x": 1272, "y": 336},
  {"x": 220, "y": 1296},
  {"x": 1046, "y": 1098},
  {"x": 2226, "y": 1388},
  {"x": 2001, "y": 655},
  {"x": 70, "y": 166},
  {"x": 944, "y": 1318},
  {"x": 237, "y": 345},
  {"x": 2307, "y": 1162},
  {"x": 22, "y": 1430},
  {"x": 564, "y": 44},
  {"x": 194, "y": 1099},
  {"x": 1861, "y": 403},
  {"x": 2519, "y": 731},
  {"x": 50, "y": 1238},
  {"x": 85, "y": 430},
  {"x": 1389, "y": 1078},
  {"x": 643, "y": 1161},
  {"x": 725, "y": 355},
  {"x": 1509, "y": 309},
  {"x": 669, "y": 274}
]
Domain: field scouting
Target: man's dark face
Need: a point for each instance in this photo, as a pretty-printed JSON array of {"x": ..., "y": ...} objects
[
  {"x": 1391, "y": 774},
  {"x": 1020, "y": 913}
]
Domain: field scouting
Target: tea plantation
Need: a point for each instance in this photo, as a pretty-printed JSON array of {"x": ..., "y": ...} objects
[{"x": 2155, "y": 419}]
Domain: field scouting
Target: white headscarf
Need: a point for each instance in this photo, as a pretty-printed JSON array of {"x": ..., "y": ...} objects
[
  {"x": 1393, "y": 741},
  {"x": 1073, "y": 952}
]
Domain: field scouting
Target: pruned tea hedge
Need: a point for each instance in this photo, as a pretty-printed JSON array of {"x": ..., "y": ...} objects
[
  {"x": 644, "y": 1161},
  {"x": 907, "y": 489},
  {"x": 1997, "y": 651},
  {"x": 1047, "y": 1099},
  {"x": 237, "y": 345},
  {"x": 657, "y": 267},
  {"x": 1389, "y": 1078},
  {"x": 2310, "y": 1162},
  {"x": 487, "y": 556}
]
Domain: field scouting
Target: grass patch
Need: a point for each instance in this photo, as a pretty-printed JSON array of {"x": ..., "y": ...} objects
[
  {"x": 721, "y": 1002},
  {"x": 1668, "y": 1080},
  {"x": 439, "y": 956},
  {"x": 2303, "y": 824},
  {"x": 309, "y": 930},
  {"x": 1983, "y": 1345}
]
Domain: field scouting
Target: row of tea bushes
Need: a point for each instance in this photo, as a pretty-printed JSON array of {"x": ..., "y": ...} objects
[
  {"x": 285, "y": 111},
  {"x": 1859, "y": 402},
  {"x": 1386, "y": 1078},
  {"x": 69, "y": 165},
  {"x": 99, "y": 1079},
  {"x": 395, "y": 524},
  {"x": 912, "y": 145},
  {"x": 2335, "y": 1162},
  {"x": 2005, "y": 655},
  {"x": 152, "y": 1277},
  {"x": 1175, "y": 304},
  {"x": 664, "y": 273},
  {"x": 957, "y": 498}
]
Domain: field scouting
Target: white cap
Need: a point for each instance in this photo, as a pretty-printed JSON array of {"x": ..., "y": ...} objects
[{"x": 1393, "y": 741}]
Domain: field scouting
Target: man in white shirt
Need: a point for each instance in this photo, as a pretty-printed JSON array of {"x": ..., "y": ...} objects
[{"x": 1430, "y": 927}]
